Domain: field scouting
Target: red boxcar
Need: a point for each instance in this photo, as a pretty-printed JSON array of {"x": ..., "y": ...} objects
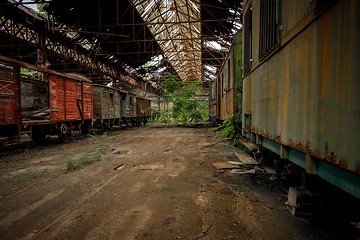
[{"x": 39, "y": 102}]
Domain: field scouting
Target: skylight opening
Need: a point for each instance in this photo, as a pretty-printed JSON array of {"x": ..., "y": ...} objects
[
  {"x": 211, "y": 69},
  {"x": 213, "y": 44}
]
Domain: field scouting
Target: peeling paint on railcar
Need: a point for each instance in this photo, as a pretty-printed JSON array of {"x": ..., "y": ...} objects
[{"x": 306, "y": 95}]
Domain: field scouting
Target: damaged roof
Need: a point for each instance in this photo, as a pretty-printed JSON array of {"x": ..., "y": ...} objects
[{"x": 143, "y": 38}]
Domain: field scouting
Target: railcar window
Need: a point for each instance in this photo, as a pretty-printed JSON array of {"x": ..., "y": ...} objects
[
  {"x": 229, "y": 73},
  {"x": 268, "y": 27},
  {"x": 111, "y": 95},
  {"x": 247, "y": 40},
  {"x": 322, "y": 5},
  {"x": 6, "y": 73},
  {"x": 223, "y": 84}
]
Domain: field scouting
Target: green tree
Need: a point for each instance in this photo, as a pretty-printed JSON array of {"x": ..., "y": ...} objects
[{"x": 186, "y": 107}]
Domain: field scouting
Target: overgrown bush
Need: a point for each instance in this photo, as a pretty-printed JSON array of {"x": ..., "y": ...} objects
[
  {"x": 227, "y": 129},
  {"x": 186, "y": 108}
]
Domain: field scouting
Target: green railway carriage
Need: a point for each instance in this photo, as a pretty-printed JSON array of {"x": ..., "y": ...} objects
[
  {"x": 225, "y": 91},
  {"x": 301, "y": 84},
  {"x": 107, "y": 110}
]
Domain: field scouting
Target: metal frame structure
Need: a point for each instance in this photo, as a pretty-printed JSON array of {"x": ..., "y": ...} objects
[{"x": 125, "y": 43}]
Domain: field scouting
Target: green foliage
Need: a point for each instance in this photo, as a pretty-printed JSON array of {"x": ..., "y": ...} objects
[
  {"x": 71, "y": 164},
  {"x": 41, "y": 11},
  {"x": 161, "y": 116},
  {"x": 227, "y": 129},
  {"x": 28, "y": 175},
  {"x": 170, "y": 84},
  {"x": 28, "y": 72},
  {"x": 84, "y": 160},
  {"x": 78, "y": 161},
  {"x": 81, "y": 160},
  {"x": 186, "y": 108}
]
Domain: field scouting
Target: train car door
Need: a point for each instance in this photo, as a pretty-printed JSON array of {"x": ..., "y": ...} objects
[{"x": 9, "y": 94}]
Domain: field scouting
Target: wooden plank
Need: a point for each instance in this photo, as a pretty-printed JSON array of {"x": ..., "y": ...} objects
[
  {"x": 244, "y": 157},
  {"x": 250, "y": 146},
  {"x": 224, "y": 165},
  {"x": 151, "y": 167}
]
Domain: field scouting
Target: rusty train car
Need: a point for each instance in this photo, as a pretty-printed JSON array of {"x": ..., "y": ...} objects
[
  {"x": 107, "y": 106},
  {"x": 299, "y": 85},
  {"x": 143, "y": 109},
  {"x": 225, "y": 97},
  {"x": 37, "y": 102}
]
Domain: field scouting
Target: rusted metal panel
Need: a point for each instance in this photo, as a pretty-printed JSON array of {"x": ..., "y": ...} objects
[
  {"x": 69, "y": 99},
  {"x": 133, "y": 105},
  {"x": 87, "y": 100},
  {"x": 212, "y": 100},
  {"x": 97, "y": 106},
  {"x": 8, "y": 97},
  {"x": 143, "y": 107},
  {"x": 106, "y": 102},
  {"x": 128, "y": 104},
  {"x": 306, "y": 94},
  {"x": 228, "y": 81},
  {"x": 124, "y": 103}
]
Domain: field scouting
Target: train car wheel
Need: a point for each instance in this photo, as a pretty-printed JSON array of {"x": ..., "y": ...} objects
[{"x": 64, "y": 137}]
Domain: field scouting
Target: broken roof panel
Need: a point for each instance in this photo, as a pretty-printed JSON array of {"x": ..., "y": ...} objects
[{"x": 176, "y": 25}]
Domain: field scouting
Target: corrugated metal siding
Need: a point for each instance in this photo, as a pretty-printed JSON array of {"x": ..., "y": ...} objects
[
  {"x": 87, "y": 100},
  {"x": 143, "y": 107},
  {"x": 226, "y": 101},
  {"x": 105, "y": 103},
  {"x": 117, "y": 104},
  {"x": 97, "y": 98},
  {"x": 8, "y": 101},
  {"x": 307, "y": 94}
]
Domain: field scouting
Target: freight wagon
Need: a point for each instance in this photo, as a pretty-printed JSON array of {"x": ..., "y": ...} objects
[
  {"x": 36, "y": 102},
  {"x": 107, "y": 106},
  {"x": 128, "y": 108},
  {"x": 143, "y": 110},
  {"x": 301, "y": 85},
  {"x": 225, "y": 91}
]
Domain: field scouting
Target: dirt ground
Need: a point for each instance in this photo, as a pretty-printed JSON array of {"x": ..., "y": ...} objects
[{"x": 178, "y": 194}]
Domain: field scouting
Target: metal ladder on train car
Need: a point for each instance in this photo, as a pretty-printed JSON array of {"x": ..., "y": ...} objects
[{"x": 23, "y": 131}]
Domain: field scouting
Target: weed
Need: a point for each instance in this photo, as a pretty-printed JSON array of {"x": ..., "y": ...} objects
[
  {"x": 27, "y": 175},
  {"x": 71, "y": 164},
  {"x": 84, "y": 160},
  {"x": 186, "y": 108},
  {"x": 227, "y": 129},
  {"x": 81, "y": 160}
]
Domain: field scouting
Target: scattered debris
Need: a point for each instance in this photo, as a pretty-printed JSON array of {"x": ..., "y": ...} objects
[
  {"x": 250, "y": 146},
  {"x": 245, "y": 158},
  {"x": 208, "y": 145},
  {"x": 302, "y": 202},
  {"x": 105, "y": 158},
  {"x": 204, "y": 233},
  {"x": 120, "y": 166},
  {"x": 151, "y": 167},
  {"x": 116, "y": 152},
  {"x": 269, "y": 170},
  {"x": 224, "y": 165},
  {"x": 255, "y": 170}
]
